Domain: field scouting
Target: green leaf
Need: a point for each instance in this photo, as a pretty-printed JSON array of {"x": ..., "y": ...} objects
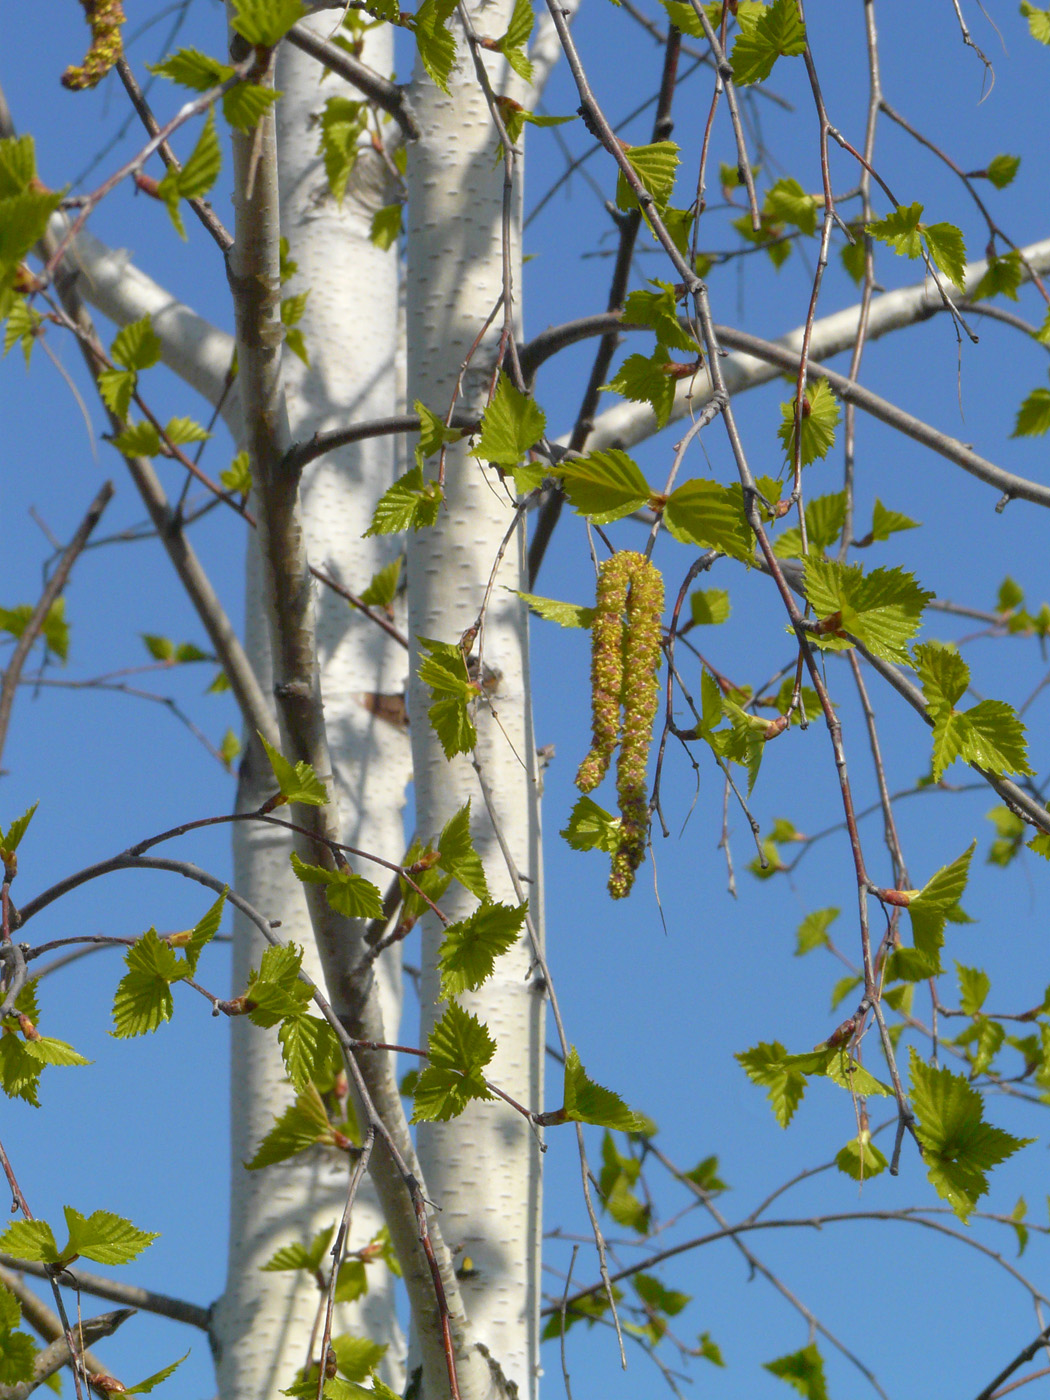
[
  {"x": 457, "y": 855},
  {"x": 990, "y": 735},
  {"x": 143, "y": 998},
  {"x": 861, "y": 1159},
  {"x": 23, "y": 222},
  {"x": 1002, "y": 277},
  {"x": 343, "y": 121},
  {"x": 1033, "y": 417},
  {"x": 436, "y": 45},
  {"x": 813, "y": 930},
  {"x": 307, "y": 1044},
  {"x": 160, "y": 648},
  {"x": 244, "y": 104},
  {"x": 238, "y": 476},
  {"x": 510, "y": 425},
  {"x": 104, "y": 1237},
  {"x": 136, "y": 346},
  {"x": 1017, "y": 1215},
  {"x": 1001, "y": 170},
  {"x": 23, "y": 326},
  {"x": 825, "y": 517},
  {"x": 587, "y": 1102},
  {"x": 656, "y": 166},
  {"x": 592, "y": 828},
  {"x": 663, "y": 1300},
  {"x": 193, "y": 69},
  {"x": 55, "y": 630},
  {"x": 470, "y": 948},
  {"x": 974, "y": 986},
  {"x": 709, "y": 1350},
  {"x": 882, "y": 609},
  {"x": 514, "y": 44},
  {"x": 930, "y": 908},
  {"x": 116, "y": 387},
  {"x": 299, "y": 1127},
  {"x": 410, "y": 504},
  {"x": 297, "y": 784},
  {"x": 460, "y": 1047},
  {"x": 17, "y": 165},
  {"x": 564, "y": 614},
  {"x": 294, "y": 1256},
  {"x": 196, "y": 177},
  {"x": 53, "y": 1052},
  {"x": 885, "y": 523},
  {"x": 348, "y": 894},
  {"x": 787, "y": 202},
  {"x": 356, "y": 1357},
  {"x": 9, "y": 840},
  {"x": 803, "y": 1371},
  {"x": 276, "y": 990},
  {"x": 433, "y": 433},
  {"x": 959, "y": 1147},
  {"x": 647, "y": 379},
  {"x": 945, "y": 245},
  {"x": 181, "y": 430},
  {"x": 659, "y": 311},
  {"x": 264, "y": 23},
  {"x": 766, "y": 1064},
  {"x": 818, "y": 425},
  {"x": 151, "y": 1382},
  {"x": 900, "y": 230},
  {"x": 382, "y": 590},
  {"x": 445, "y": 672},
  {"x": 31, "y": 1240},
  {"x": 1038, "y": 21},
  {"x": 138, "y": 440},
  {"x": 712, "y": 516},
  {"x": 709, "y": 606},
  {"x": 386, "y": 226},
  {"x": 604, "y": 485},
  {"x": 766, "y": 35}
]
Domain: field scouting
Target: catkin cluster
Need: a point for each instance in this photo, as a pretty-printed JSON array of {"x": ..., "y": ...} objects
[
  {"x": 625, "y": 660},
  {"x": 105, "y": 18}
]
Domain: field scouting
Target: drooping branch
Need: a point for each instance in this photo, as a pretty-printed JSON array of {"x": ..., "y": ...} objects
[{"x": 116, "y": 1291}]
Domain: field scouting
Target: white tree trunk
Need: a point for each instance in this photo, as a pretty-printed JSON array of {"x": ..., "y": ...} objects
[
  {"x": 351, "y": 331},
  {"x": 483, "y": 1168}
]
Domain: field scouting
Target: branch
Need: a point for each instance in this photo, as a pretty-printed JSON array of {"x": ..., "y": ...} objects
[
  {"x": 144, "y": 1299},
  {"x": 376, "y": 88},
  {"x": 35, "y": 625},
  {"x": 1019, "y": 1360},
  {"x": 60, "y": 1353},
  {"x": 629, "y": 423}
]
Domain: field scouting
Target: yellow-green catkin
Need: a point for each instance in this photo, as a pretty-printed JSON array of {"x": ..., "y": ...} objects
[
  {"x": 625, "y": 660},
  {"x": 614, "y": 576},
  {"x": 105, "y": 18},
  {"x": 641, "y": 689}
]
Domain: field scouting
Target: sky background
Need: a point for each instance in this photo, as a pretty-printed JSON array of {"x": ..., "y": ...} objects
[{"x": 656, "y": 1003}]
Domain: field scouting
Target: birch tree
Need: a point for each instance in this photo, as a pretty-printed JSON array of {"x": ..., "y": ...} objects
[{"x": 391, "y": 459}]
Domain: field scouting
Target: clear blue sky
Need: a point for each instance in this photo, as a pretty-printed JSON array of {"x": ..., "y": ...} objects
[{"x": 656, "y": 1005}]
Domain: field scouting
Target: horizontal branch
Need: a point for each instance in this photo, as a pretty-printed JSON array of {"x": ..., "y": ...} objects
[
  {"x": 128, "y": 1293},
  {"x": 630, "y": 423},
  {"x": 376, "y": 88},
  {"x": 301, "y": 454}
]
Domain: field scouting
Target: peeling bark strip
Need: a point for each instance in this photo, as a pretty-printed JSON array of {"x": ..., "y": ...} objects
[{"x": 625, "y": 658}]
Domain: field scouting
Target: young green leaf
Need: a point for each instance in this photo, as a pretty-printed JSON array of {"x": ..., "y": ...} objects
[
  {"x": 959, "y": 1148},
  {"x": 1002, "y": 277},
  {"x": 298, "y": 783},
  {"x": 861, "y": 1159},
  {"x": 343, "y": 121},
  {"x": 819, "y": 420},
  {"x": 989, "y": 735},
  {"x": 138, "y": 440},
  {"x": 264, "y": 23},
  {"x": 307, "y": 1044},
  {"x": 460, "y": 1047},
  {"x": 803, "y": 1371},
  {"x": 564, "y": 614},
  {"x": 825, "y": 517},
  {"x": 198, "y": 174},
  {"x": 136, "y": 346},
  {"x": 659, "y": 311},
  {"x": 592, "y": 828},
  {"x": 944, "y": 243},
  {"x": 470, "y": 948},
  {"x": 143, "y": 998},
  {"x": 656, "y": 166},
  {"x": 31, "y": 1240},
  {"x": 295, "y": 1256},
  {"x": 276, "y": 990},
  {"x": 434, "y": 40},
  {"x": 193, "y": 69},
  {"x": 151, "y": 1382},
  {"x": 709, "y": 606},
  {"x": 648, "y": 379},
  {"x": 786, "y": 202},
  {"x": 300, "y": 1126},
  {"x": 238, "y": 475},
  {"x": 604, "y": 485},
  {"x": 900, "y": 230},
  {"x": 885, "y": 523},
  {"x": 410, "y": 504},
  {"x": 387, "y": 224},
  {"x": 1033, "y": 417},
  {"x": 712, "y": 516},
  {"x": 457, "y": 855},
  {"x": 512, "y": 423},
  {"x": 445, "y": 671},
  {"x": 1038, "y": 21},
  {"x": 514, "y": 44},
  {"x": 882, "y": 609},
  {"x": 588, "y": 1102},
  {"x": 382, "y": 590},
  {"x": 348, "y": 894},
  {"x": 813, "y": 930},
  {"x": 104, "y": 1237},
  {"x": 766, "y": 1064},
  {"x": 766, "y": 34},
  {"x": 9, "y": 840},
  {"x": 1001, "y": 170}
]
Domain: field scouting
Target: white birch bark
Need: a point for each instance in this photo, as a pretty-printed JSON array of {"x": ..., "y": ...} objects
[
  {"x": 482, "y": 1169},
  {"x": 351, "y": 331}
]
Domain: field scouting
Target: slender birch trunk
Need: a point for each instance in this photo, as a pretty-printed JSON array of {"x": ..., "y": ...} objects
[{"x": 483, "y": 1168}]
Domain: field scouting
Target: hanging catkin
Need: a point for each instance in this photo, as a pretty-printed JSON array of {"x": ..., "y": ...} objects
[{"x": 625, "y": 660}]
